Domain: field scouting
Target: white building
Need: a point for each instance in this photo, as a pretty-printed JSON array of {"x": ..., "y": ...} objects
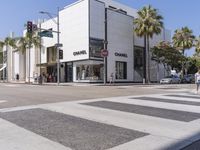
[{"x": 85, "y": 26}]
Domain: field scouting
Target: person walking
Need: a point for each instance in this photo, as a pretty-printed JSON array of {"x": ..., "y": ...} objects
[
  {"x": 197, "y": 79},
  {"x": 111, "y": 78}
]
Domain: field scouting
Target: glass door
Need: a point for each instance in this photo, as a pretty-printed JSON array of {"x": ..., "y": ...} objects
[{"x": 69, "y": 72}]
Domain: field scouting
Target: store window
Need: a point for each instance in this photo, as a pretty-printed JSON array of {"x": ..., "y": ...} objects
[
  {"x": 138, "y": 57},
  {"x": 96, "y": 45},
  {"x": 121, "y": 70},
  {"x": 89, "y": 72}
]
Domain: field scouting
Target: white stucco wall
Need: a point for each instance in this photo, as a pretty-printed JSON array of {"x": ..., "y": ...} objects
[
  {"x": 46, "y": 41},
  {"x": 16, "y": 63},
  {"x": 30, "y": 73},
  {"x": 130, "y": 11},
  {"x": 74, "y": 26},
  {"x": 120, "y": 40},
  {"x": 97, "y": 18},
  {"x": 22, "y": 66}
]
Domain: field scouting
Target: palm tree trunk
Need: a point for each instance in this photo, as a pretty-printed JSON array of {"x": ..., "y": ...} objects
[
  {"x": 3, "y": 65},
  {"x": 158, "y": 73},
  {"x": 182, "y": 74},
  {"x": 40, "y": 47},
  {"x": 6, "y": 63},
  {"x": 29, "y": 64},
  {"x": 25, "y": 67},
  {"x": 144, "y": 60},
  {"x": 147, "y": 61}
]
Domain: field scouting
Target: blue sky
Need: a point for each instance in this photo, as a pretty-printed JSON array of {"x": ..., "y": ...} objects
[{"x": 176, "y": 13}]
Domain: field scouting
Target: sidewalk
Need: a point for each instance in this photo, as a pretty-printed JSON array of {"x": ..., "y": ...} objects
[{"x": 152, "y": 85}]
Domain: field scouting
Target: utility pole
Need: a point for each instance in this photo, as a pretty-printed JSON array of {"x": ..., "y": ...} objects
[
  {"x": 105, "y": 48},
  {"x": 29, "y": 31},
  {"x": 58, "y": 39},
  {"x": 3, "y": 66},
  {"x": 57, "y": 48}
]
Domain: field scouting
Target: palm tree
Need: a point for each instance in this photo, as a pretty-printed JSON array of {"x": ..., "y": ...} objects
[
  {"x": 183, "y": 39},
  {"x": 8, "y": 42},
  {"x": 197, "y": 51},
  {"x": 148, "y": 23},
  {"x": 1, "y": 55},
  {"x": 1, "y": 52},
  {"x": 27, "y": 42},
  {"x": 197, "y": 46}
]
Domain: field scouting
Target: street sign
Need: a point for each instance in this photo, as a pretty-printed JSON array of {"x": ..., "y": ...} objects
[
  {"x": 34, "y": 27},
  {"x": 104, "y": 53},
  {"x": 58, "y": 45},
  {"x": 46, "y": 33}
]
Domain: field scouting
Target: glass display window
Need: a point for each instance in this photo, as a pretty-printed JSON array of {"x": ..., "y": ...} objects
[
  {"x": 89, "y": 72},
  {"x": 121, "y": 70}
]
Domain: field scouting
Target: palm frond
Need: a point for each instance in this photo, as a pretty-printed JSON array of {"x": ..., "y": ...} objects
[
  {"x": 183, "y": 38},
  {"x": 148, "y": 22}
]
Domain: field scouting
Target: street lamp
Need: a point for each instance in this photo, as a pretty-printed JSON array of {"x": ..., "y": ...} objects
[{"x": 58, "y": 39}]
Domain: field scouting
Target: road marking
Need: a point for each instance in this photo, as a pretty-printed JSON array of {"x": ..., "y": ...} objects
[
  {"x": 163, "y": 132},
  {"x": 160, "y": 144},
  {"x": 14, "y": 137},
  {"x": 72, "y": 131},
  {"x": 11, "y": 85}
]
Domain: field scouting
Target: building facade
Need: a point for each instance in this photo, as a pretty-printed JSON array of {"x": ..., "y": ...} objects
[{"x": 87, "y": 27}]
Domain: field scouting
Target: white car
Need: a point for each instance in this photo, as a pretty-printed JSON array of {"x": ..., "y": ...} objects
[{"x": 170, "y": 79}]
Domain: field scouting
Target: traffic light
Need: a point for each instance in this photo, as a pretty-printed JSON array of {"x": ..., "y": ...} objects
[
  {"x": 29, "y": 26},
  {"x": 60, "y": 54}
]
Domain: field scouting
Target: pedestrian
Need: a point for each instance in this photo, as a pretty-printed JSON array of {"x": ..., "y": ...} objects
[
  {"x": 197, "y": 79},
  {"x": 40, "y": 78},
  {"x": 111, "y": 78},
  {"x": 17, "y": 77}
]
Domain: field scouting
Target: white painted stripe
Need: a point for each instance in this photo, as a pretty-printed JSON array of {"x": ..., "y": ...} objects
[
  {"x": 197, "y": 122},
  {"x": 18, "y": 108},
  {"x": 152, "y": 143},
  {"x": 152, "y": 125},
  {"x": 13, "y": 137},
  {"x": 12, "y": 85}
]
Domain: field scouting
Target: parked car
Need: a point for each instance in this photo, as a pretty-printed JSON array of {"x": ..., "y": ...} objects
[
  {"x": 189, "y": 78},
  {"x": 170, "y": 79}
]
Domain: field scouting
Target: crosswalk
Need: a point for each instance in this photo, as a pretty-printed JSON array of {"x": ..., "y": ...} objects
[{"x": 153, "y": 122}]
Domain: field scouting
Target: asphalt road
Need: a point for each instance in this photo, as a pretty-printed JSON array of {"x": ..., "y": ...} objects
[
  {"x": 24, "y": 94},
  {"x": 45, "y": 120}
]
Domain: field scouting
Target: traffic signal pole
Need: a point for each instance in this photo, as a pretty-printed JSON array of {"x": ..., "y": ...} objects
[
  {"x": 58, "y": 39},
  {"x": 30, "y": 31},
  {"x": 58, "y": 42},
  {"x": 105, "y": 47}
]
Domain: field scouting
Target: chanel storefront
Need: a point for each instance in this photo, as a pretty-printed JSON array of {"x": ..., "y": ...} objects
[{"x": 87, "y": 27}]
